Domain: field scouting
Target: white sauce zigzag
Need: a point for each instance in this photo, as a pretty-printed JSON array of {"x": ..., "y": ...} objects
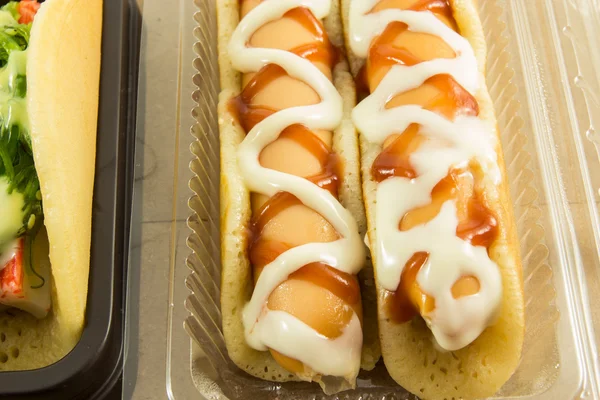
[
  {"x": 454, "y": 322},
  {"x": 278, "y": 330}
]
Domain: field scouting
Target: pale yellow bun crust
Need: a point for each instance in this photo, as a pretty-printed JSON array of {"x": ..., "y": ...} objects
[
  {"x": 412, "y": 360},
  {"x": 236, "y": 276},
  {"x": 63, "y": 73}
]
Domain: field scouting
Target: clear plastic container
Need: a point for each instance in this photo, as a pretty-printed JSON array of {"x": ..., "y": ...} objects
[{"x": 543, "y": 75}]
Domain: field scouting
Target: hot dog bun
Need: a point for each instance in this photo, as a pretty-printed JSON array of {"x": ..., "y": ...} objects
[
  {"x": 411, "y": 357},
  {"x": 237, "y": 280}
]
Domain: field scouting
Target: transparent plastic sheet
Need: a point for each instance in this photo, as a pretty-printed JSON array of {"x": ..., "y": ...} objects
[
  {"x": 157, "y": 348},
  {"x": 543, "y": 74}
]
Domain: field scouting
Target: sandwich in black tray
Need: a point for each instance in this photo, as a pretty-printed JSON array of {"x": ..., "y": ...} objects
[{"x": 49, "y": 91}]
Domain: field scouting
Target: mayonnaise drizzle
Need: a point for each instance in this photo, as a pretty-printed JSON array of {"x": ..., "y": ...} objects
[
  {"x": 275, "y": 329},
  {"x": 454, "y": 322}
]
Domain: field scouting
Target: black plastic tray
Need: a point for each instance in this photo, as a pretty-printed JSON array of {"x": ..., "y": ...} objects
[{"x": 93, "y": 367}]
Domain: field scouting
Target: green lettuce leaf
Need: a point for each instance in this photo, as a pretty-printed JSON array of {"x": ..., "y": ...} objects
[
  {"x": 12, "y": 38},
  {"x": 16, "y": 157},
  {"x": 16, "y": 162},
  {"x": 13, "y": 8}
]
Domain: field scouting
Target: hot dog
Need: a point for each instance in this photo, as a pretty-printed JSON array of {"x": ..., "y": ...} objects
[
  {"x": 290, "y": 194},
  {"x": 441, "y": 230}
]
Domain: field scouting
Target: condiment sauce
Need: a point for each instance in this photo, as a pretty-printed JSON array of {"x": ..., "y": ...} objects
[
  {"x": 317, "y": 294},
  {"x": 443, "y": 95}
]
